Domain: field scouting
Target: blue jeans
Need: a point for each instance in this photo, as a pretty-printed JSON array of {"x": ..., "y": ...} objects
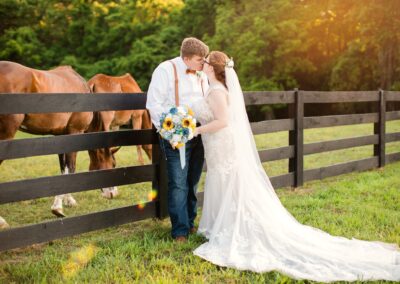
[{"x": 182, "y": 184}]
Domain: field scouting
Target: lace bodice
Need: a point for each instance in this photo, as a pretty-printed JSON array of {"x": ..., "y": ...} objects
[{"x": 218, "y": 146}]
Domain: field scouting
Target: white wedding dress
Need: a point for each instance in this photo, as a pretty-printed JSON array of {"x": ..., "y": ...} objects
[{"x": 245, "y": 223}]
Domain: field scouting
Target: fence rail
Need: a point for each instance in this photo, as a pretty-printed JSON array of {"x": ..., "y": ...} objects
[
  {"x": 77, "y": 182},
  {"x": 12, "y": 149},
  {"x": 295, "y": 124},
  {"x": 45, "y": 103}
]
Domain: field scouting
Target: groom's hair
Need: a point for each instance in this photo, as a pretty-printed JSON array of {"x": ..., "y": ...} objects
[{"x": 192, "y": 46}]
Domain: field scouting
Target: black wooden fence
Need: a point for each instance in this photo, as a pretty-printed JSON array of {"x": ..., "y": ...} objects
[{"x": 156, "y": 172}]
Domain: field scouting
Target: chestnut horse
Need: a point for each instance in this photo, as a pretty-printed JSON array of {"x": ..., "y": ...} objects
[
  {"x": 107, "y": 120},
  {"x": 16, "y": 78}
]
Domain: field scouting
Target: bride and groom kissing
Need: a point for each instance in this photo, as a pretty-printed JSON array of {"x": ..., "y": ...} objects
[{"x": 243, "y": 220}]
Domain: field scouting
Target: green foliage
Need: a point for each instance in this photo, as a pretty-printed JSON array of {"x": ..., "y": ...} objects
[
  {"x": 16, "y": 13},
  {"x": 21, "y": 43},
  {"x": 197, "y": 18},
  {"x": 361, "y": 76}
]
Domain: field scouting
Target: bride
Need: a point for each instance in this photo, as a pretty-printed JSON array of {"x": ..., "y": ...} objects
[{"x": 246, "y": 225}]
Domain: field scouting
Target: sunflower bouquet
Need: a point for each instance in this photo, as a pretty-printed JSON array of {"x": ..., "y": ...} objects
[{"x": 177, "y": 126}]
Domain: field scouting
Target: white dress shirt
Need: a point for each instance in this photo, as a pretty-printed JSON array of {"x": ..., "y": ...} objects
[{"x": 161, "y": 92}]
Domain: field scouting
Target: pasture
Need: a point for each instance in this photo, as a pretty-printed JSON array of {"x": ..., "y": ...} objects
[{"x": 361, "y": 205}]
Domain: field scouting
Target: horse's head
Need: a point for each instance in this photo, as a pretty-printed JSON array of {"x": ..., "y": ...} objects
[{"x": 102, "y": 158}]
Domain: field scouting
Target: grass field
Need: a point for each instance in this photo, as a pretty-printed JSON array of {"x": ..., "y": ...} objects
[{"x": 361, "y": 205}]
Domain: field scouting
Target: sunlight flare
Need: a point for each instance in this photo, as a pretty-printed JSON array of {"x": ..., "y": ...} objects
[{"x": 77, "y": 260}]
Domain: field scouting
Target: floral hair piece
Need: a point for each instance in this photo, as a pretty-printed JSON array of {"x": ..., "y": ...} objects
[{"x": 229, "y": 63}]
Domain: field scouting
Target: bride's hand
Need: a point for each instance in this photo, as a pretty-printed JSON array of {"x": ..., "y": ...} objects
[{"x": 196, "y": 132}]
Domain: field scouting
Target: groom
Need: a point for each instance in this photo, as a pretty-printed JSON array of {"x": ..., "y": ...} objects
[{"x": 177, "y": 81}]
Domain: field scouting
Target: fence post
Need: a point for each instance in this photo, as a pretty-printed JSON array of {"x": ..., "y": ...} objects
[
  {"x": 160, "y": 181},
  {"x": 380, "y": 129},
  {"x": 296, "y": 138}
]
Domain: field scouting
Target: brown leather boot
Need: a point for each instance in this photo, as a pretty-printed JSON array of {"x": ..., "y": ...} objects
[{"x": 181, "y": 239}]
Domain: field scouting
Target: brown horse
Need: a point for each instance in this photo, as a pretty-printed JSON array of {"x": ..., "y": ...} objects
[
  {"x": 15, "y": 78},
  {"x": 107, "y": 120}
]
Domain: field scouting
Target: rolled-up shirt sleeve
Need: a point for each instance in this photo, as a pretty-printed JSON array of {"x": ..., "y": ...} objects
[{"x": 157, "y": 95}]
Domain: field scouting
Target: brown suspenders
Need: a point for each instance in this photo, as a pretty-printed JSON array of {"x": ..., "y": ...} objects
[{"x": 177, "y": 84}]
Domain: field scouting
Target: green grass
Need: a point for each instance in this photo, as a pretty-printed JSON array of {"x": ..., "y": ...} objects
[{"x": 361, "y": 205}]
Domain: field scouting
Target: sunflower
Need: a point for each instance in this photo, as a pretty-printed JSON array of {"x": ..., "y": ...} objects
[
  {"x": 186, "y": 122},
  {"x": 168, "y": 124},
  {"x": 190, "y": 112}
]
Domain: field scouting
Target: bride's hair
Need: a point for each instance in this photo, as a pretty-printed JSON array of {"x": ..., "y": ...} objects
[{"x": 217, "y": 60}]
